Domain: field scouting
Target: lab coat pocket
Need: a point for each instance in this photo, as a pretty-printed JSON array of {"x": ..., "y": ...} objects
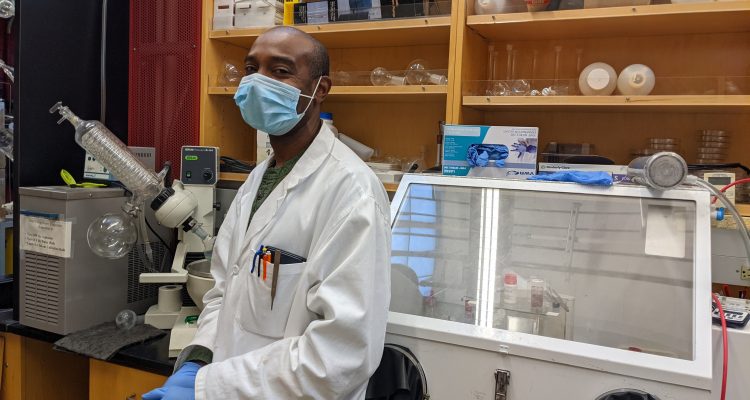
[{"x": 255, "y": 313}]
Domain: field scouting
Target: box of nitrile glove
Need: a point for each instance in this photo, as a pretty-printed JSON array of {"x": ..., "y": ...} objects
[
  {"x": 619, "y": 172},
  {"x": 490, "y": 151}
]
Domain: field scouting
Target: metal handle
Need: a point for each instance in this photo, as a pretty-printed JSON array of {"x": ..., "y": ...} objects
[{"x": 502, "y": 381}]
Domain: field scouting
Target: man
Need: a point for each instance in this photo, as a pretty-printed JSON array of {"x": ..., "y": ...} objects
[{"x": 321, "y": 335}]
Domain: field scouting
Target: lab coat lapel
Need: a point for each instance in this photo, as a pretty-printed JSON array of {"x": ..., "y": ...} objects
[
  {"x": 313, "y": 158},
  {"x": 247, "y": 204}
]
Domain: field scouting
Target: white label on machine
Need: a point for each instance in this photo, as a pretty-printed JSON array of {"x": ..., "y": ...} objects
[
  {"x": 665, "y": 231},
  {"x": 93, "y": 169},
  {"x": 46, "y": 234}
]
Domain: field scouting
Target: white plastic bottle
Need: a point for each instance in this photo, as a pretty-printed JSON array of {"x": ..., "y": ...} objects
[
  {"x": 636, "y": 80},
  {"x": 597, "y": 79},
  {"x": 364, "y": 152}
]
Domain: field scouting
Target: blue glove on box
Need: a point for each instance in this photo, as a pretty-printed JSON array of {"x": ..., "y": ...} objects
[
  {"x": 479, "y": 155},
  {"x": 597, "y": 178},
  {"x": 179, "y": 386}
]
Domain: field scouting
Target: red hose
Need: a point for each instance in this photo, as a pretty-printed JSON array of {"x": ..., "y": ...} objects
[
  {"x": 726, "y": 348},
  {"x": 738, "y": 182}
]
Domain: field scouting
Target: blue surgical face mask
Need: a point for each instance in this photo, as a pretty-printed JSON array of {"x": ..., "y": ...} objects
[{"x": 269, "y": 105}]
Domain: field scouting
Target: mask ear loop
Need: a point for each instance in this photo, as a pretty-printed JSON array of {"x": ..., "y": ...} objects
[{"x": 311, "y": 97}]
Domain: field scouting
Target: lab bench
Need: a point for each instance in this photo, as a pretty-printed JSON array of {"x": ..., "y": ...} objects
[{"x": 32, "y": 369}]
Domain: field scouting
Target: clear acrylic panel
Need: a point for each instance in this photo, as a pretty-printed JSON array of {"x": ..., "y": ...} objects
[{"x": 604, "y": 270}]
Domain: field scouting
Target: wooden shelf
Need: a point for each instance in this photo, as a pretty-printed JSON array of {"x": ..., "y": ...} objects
[
  {"x": 392, "y": 32},
  {"x": 371, "y": 93},
  {"x": 233, "y": 176},
  {"x": 391, "y": 187},
  {"x": 665, "y": 19},
  {"x": 610, "y": 103}
]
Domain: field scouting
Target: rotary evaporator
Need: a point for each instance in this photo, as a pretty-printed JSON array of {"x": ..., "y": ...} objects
[{"x": 187, "y": 205}]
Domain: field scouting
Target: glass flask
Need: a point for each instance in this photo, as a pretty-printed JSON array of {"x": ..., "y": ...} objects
[
  {"x": 230, "y": 75},
  {"x": 126, "y": 319},
  {"x": 381, "y": 77},
  {"x": 112, "y": 235},
  {"x": 418, "y": 74}
]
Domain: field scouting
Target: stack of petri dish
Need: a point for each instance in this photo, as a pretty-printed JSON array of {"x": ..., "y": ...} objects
[
  {"x": 664, "y": 144},
  {"x": 657, "y": 145},
  {"x": 645, "y": 152},
  {"x": 713, "y": 146}
]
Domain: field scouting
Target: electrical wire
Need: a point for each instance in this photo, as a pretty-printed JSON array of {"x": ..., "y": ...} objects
[
  {"x": 742, "y": 229},
  {"x": 169, "y": 250},
  {"x": 232, "y": 165},
  {"x": 703, "y": 167},
  {"x": 737, "y": 182},
  {"x": 726, "y": 349}
]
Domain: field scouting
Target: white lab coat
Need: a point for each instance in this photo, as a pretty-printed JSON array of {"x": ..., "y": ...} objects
[{"x": 324, "y": 337}]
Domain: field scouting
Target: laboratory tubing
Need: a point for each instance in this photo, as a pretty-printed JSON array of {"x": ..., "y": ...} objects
[
  {"x": 381, "y": 77},
  {"x": 510, "y": 282}
]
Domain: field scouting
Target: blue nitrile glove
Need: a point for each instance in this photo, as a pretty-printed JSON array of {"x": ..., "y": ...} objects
[
  {"x": 179, "y": 386},
  {"x": 599, "y": 178},
  {"x": 522, "y": 148},
  {"x": 479, "y": 155}
]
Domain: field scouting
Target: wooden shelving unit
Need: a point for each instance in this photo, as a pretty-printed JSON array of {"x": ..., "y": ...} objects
[
  {"x": 371, "y": 93},
  {"x": 676, "y": 40},
  {"x": 709, "y": 39},
  {"x": 713, "y": 103},
  {"x": 401, "y": 32},
  {"x": 650, "y": 20},
  {"x": 397, "y": 121}
]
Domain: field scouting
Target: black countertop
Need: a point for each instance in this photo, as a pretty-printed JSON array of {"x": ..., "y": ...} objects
[{"x": 151, "y": 355}]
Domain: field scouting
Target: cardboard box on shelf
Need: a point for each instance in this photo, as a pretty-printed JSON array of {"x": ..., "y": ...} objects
[
  {"x": 258, "y": 13},
  {"x": 316, "y": 12}
]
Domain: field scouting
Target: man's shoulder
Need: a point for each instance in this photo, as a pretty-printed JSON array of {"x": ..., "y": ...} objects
[{"x": 350, "y": 174}]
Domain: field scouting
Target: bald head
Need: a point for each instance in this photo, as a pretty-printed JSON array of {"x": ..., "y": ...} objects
[
  {"x": 314, "y": 52},
  {"x": 293, "y": 57}
]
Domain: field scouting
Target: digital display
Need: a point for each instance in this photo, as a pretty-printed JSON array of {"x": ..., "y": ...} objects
[
  {"x": 191, "y": 158},
  {"x": 720, "y": 180}
]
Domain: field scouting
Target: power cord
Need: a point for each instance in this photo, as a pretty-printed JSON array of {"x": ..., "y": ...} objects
[
  {"x": 724, "y": 345},
  {"x": 229, "y": 164},
  {"x": 166, "y": 247},
  {"x": 725, "y": 188}
]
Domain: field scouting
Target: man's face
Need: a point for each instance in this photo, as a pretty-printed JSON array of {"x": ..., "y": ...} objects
[{"x": 284, "y": 57}]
